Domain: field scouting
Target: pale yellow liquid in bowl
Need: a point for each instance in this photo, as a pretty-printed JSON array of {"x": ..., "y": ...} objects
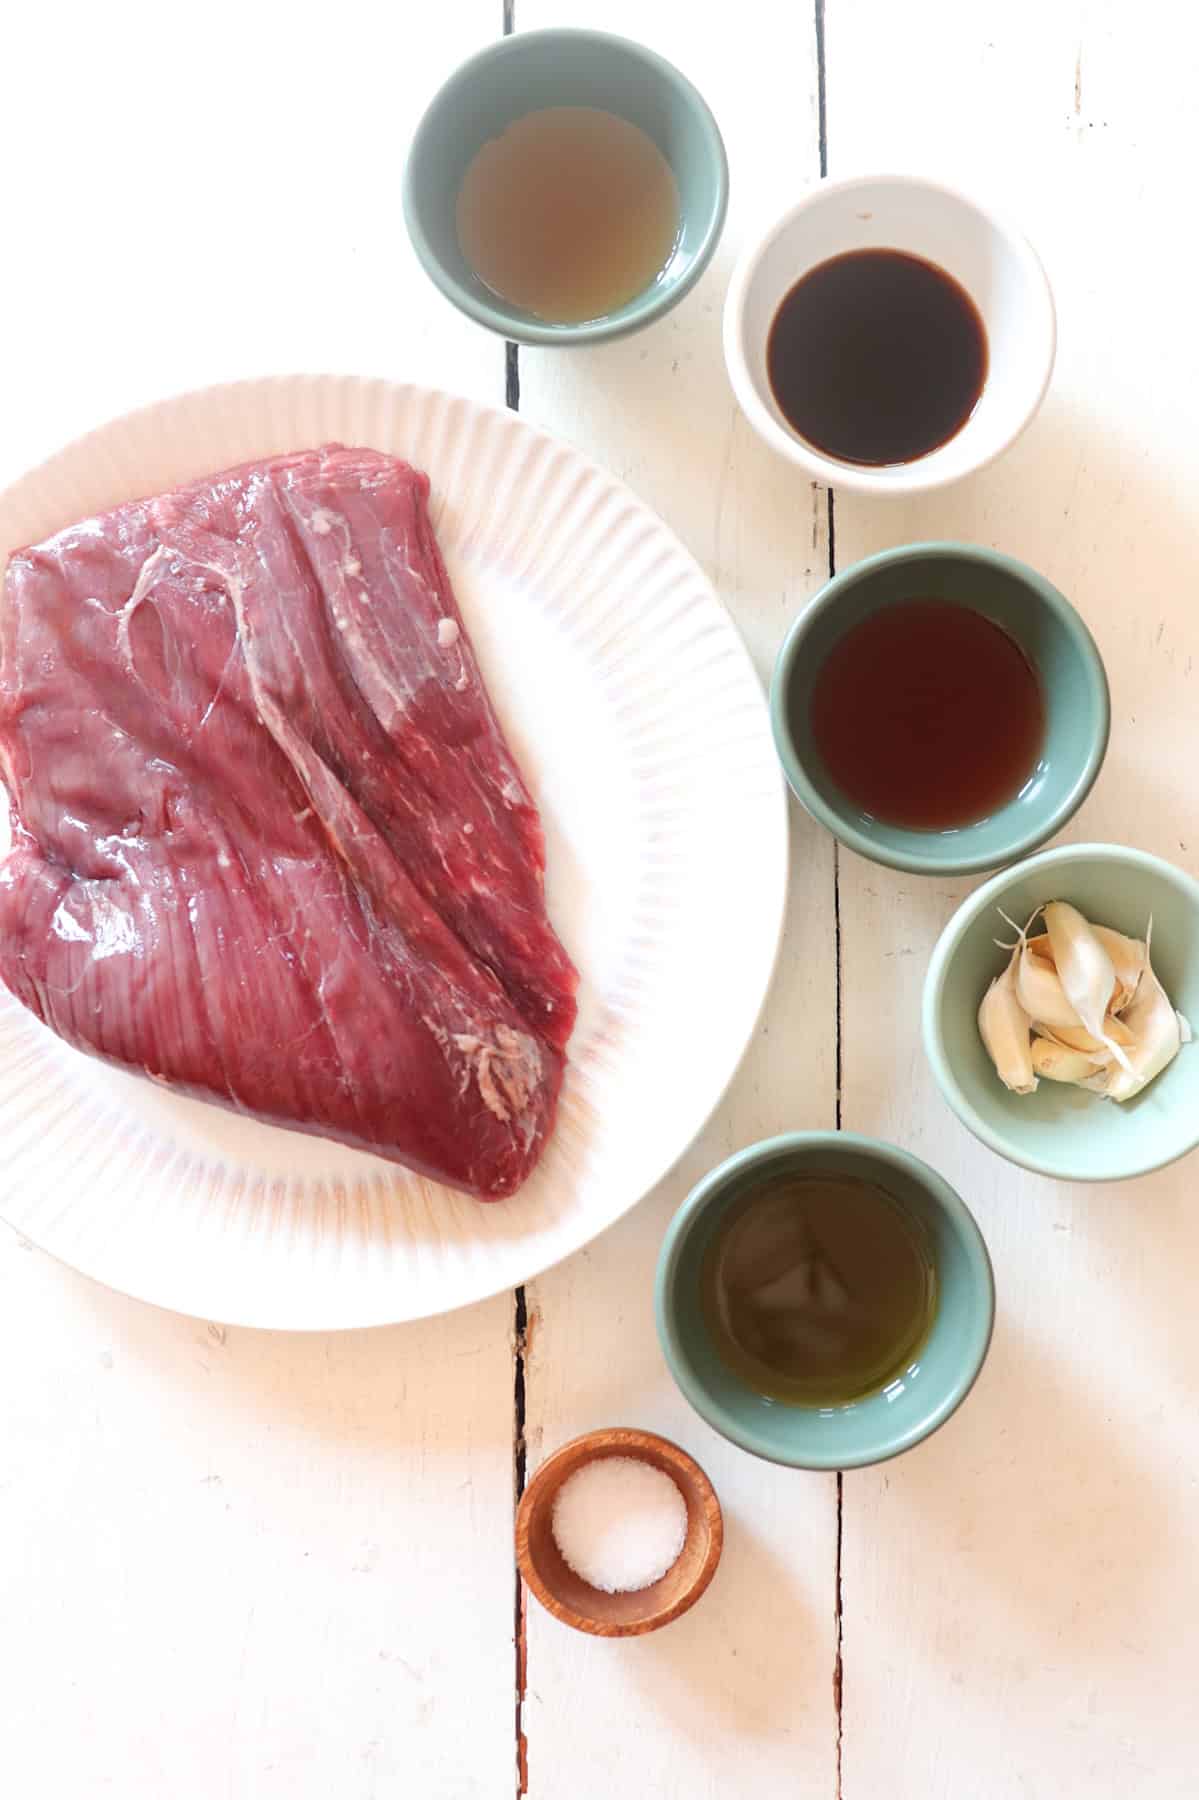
[{"x": 569, "y": 213}]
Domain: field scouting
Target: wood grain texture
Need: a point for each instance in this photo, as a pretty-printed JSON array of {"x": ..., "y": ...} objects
[
  {"x": 245, "y": 1563},
  {"x": 249, "y": 1565},
  {"x": 209, "y": 197},
  {"x": 1021, "y": 1595},
  {"x": 236, "y": 1565},
  {"x": 737, "y": 1697},
  {"x": 574, "y": 1602}
]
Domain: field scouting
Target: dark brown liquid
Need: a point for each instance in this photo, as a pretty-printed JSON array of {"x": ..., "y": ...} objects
[
  {"x": 819, "y": 1289},
  {"x": 569, "y": 213},
  {"x": 877, "y": 357},
  {"x": 928, "y": 715}
]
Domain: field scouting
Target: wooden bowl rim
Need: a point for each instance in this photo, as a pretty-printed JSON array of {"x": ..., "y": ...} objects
[{"x": 621, "y": 1440}]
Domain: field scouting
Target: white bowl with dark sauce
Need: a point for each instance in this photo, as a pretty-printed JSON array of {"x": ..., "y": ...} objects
[{"x": 889, "y": 334}]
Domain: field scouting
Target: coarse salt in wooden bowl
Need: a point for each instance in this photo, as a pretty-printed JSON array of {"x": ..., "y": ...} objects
[{"x": 566, "y": 1594}]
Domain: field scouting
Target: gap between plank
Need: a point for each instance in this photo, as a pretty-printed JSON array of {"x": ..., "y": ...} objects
[
  {"x": 520, "y": 1310},
  {"x": 821, "y": 88},
  {"x": 520, "y": 1342},
  {"x": 838, "y": 1665}
]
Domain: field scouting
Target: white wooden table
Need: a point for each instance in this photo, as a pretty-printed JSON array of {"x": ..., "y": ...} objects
[{"x": 236, "y": 1564}]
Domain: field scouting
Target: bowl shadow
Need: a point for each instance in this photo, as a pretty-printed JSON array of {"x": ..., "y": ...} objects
[
  {"x": 1032, "y": 1509},
  {"x": 747, "y": 1663}
]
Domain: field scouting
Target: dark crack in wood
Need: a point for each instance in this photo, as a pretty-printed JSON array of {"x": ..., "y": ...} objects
[
  {"x": 520, "y": 1327},
  {"x": 838, "y": 1597},
  {"x": 821, "y": 89},
  {"x": 520, "y": 1345}
]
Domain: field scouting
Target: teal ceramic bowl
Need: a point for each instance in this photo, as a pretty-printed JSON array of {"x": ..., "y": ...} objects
[
  {"x": 1053, "y": 638},
  {"x": 882, "y": 1424},
  {"x": 1060, "y": 1131},
  {"x": 534, "y": 69}
]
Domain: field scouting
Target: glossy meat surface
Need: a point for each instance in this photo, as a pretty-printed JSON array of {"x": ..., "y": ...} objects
[{"x": 270, "y": 845}]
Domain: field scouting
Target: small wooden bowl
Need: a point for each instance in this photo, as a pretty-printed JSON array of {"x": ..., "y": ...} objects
[{"x": 566, "y": 1595}]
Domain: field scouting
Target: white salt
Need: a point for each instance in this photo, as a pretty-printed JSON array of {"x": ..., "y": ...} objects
[
  {"x": 619, "y": 1523},
  {"x": 448, "y": 632}
]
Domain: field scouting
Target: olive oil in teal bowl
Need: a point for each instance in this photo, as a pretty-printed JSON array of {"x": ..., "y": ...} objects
[
  {"x": 819, "y": 1289},
  {"x": 824, "y": 1300}
]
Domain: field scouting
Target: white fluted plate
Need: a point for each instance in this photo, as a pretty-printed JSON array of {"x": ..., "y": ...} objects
[{"x": 640, "y": 723}]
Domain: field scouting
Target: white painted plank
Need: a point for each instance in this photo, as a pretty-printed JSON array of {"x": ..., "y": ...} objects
[
  {"x": 1022, "y": 1594},
  {"x": 249, "y": 1563},
  {"x": 245, "y": 1565},
  {"x": 737, "y": 1697},
  {"x": 204, "y": 197}
]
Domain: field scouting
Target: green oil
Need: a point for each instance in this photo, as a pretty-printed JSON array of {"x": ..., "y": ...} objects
[{"x": 819, "y": 1290}]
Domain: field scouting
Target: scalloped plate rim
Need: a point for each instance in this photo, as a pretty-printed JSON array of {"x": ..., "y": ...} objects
[{"x": 335, "y": 1307}]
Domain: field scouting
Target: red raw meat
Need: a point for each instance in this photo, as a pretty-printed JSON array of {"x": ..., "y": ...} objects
[{"x": 270, "y": 845}]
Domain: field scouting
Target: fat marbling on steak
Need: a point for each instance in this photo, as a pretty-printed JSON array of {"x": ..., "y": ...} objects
[{"x": 269, "y": 843}]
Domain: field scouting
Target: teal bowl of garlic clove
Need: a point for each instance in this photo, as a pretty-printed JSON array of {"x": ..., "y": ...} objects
[
  {"x": 531, "y": 70},
  {"x": 1059, "y": 1130},
  {"x": 1054, "y": 640}
]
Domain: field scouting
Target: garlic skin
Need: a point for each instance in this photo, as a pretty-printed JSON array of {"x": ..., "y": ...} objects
[
  {"x": 1004, "y": 1028},
  {"x": 1128, "y": 958},
  {"x": 1075, "y": 1038},
  {"x": 1079, "y": 1004},
  {"x": 1157, "y": 1034}
]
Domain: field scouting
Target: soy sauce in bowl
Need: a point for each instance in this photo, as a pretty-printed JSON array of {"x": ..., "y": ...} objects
[{"x": 877, "y": 357}]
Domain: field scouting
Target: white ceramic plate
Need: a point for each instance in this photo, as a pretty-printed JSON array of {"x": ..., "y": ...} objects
[{"x": 640, "y": 723}]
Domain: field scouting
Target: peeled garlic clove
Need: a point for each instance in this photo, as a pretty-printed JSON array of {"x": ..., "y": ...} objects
[
  {"x": 1157, "y": 1036},
  {"x": 1057, "y": 1062},
  {"x": 1039, "y": 990},
  {"x": 1103, "y": 1022},
  {"x": 1003, "y": 1027},
  {"x": 1085, "y": 971},
  {"x": 1077, "y": 1039},
  {"x": 1128, "y": 957}
]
